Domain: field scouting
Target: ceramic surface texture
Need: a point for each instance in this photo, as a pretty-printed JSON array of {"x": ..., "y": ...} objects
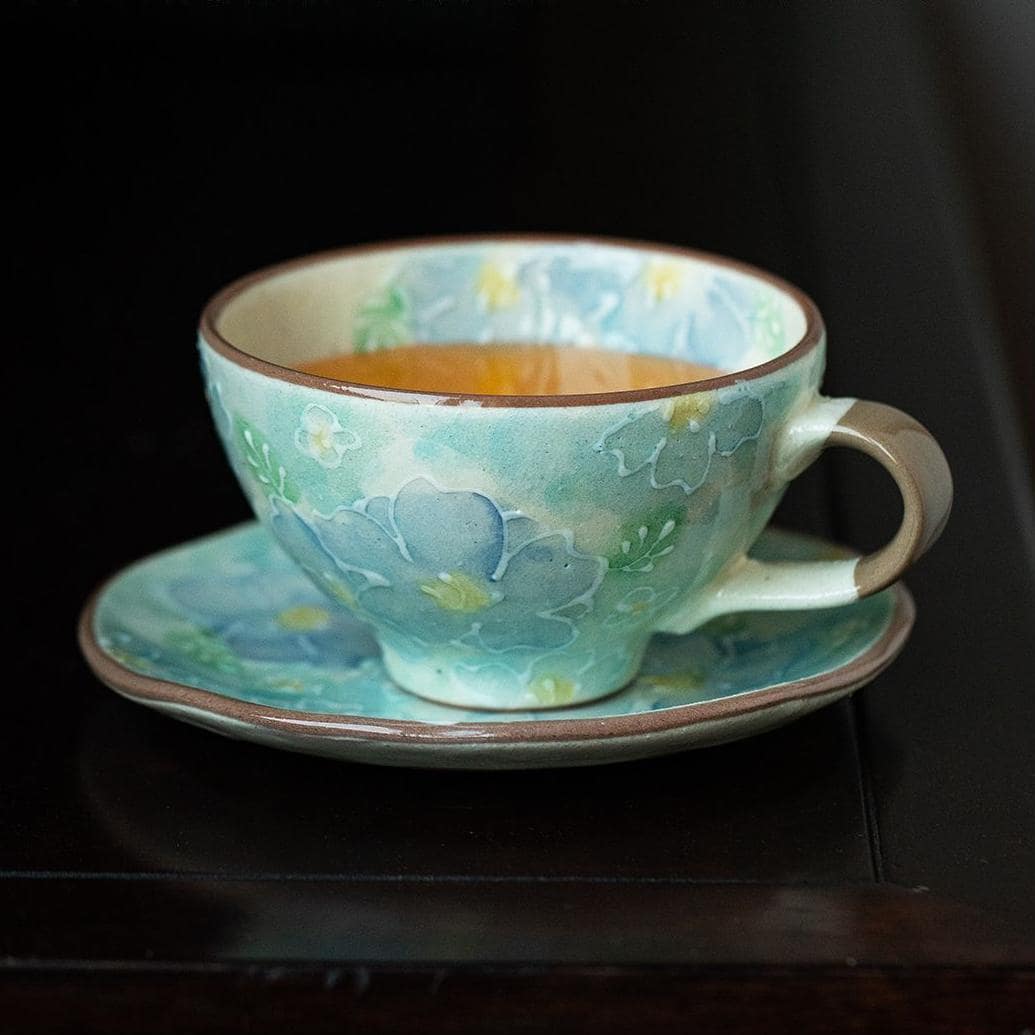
[
  {"x": 517, "y": 553},
  {"x": 226, "y": 632}
]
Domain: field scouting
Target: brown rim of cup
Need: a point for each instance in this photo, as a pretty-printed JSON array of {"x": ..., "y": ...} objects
[{"x": 214, "y": 309}]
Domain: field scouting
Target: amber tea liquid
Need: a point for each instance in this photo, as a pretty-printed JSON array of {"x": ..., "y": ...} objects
[{"x": 508, "y": 369}]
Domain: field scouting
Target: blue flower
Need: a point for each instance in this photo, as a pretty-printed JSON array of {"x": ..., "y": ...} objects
[
  {"x": 507, "y": 293},
  {"x": 273, "y": 616},
  {"x": 678, "y": 441},
  {"x": 578, "y": 294},
  {"x": 439, "y": 566}
]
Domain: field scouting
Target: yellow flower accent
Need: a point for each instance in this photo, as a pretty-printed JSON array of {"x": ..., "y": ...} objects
[
  {"x": 457, "y": 592},
  {"x": 689, "y": 679},
  {"x": 293, "y": 686},
  {"x": 128, "y": 659},
  {"x": 339, "y": 591},
  {"x": 663, "y": 280},
  {"x": 552, "y": 690},
  {"x": 688, "y": 409},
  {"x": 304, "y": 618},
  {"x": 496, "y": 287}
]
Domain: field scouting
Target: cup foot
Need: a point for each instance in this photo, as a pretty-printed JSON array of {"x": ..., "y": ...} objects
[{"x": 550, "y": 681}]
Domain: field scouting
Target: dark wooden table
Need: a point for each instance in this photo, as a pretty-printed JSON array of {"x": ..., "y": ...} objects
[{"x": 869, "y": 868}]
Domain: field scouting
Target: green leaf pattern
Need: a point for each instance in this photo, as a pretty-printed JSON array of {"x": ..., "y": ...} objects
[
  {"x": 262, "y": 463},
  {"x": 381, "y": 322},
  {"x": 643, "y": 545},
  {"x": 204, "y": 649},
  {"x": 767, "y": 327}
]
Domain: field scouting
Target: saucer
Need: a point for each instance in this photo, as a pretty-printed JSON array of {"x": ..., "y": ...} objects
[{"x": 226, "y": 633}]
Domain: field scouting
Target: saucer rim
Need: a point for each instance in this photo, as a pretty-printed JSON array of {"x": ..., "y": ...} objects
[{"x": 152, "y": 689}]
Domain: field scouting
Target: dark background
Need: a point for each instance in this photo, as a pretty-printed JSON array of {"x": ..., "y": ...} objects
[
  {"x": 165, "y": 149},
  {"x": 162, "y": 150},
  {"x": 877, "y": 154}
]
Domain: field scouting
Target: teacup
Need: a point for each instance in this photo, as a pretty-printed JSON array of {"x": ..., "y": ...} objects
[{"x": 518, "y": 552}]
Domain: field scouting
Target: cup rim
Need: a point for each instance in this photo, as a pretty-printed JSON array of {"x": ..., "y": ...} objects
[{"x": 213, "y": 310}]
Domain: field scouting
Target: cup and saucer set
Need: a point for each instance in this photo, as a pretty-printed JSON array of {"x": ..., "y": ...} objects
[{"x": 487, "y": 581}]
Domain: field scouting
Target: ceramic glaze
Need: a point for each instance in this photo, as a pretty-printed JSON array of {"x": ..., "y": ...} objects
[
  {"x": 514, "y": 555},
  {"x": 228, "y": 633}
]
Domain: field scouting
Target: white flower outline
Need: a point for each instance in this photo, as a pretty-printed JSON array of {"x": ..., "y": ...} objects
[{"x": 321, "y": 437}]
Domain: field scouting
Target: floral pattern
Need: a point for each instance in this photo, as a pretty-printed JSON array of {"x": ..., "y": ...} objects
[
  {"x": 444, "y": 566},
  {"x": 382, "y": 321},
  {"x": 530, "y": 549},
  {"x": 639, "y": 606},
  {"x": 643, "y": 544},
  {"x": 162, "y": 618},
  {"x": 260, "y": 616},
  {"x": 614, "y": 297},
  {"x": 260, "y": 463},
  {"x": 321, "y": 436},
  {"x": 677, "y": 441}
]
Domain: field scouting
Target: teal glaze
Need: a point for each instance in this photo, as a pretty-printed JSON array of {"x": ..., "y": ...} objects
[
  {"x": 233, "y": 615},
  {"x": 520, "y": 557}
]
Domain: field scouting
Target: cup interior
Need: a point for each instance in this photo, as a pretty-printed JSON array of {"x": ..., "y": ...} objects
[{"x": 611, "y": 295}]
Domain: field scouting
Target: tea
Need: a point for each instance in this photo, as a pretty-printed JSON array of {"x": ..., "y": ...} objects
[{"x": 506, "y": 369}]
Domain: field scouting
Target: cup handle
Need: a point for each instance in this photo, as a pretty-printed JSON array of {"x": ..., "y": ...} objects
[{"x": 909, "y": 453}]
